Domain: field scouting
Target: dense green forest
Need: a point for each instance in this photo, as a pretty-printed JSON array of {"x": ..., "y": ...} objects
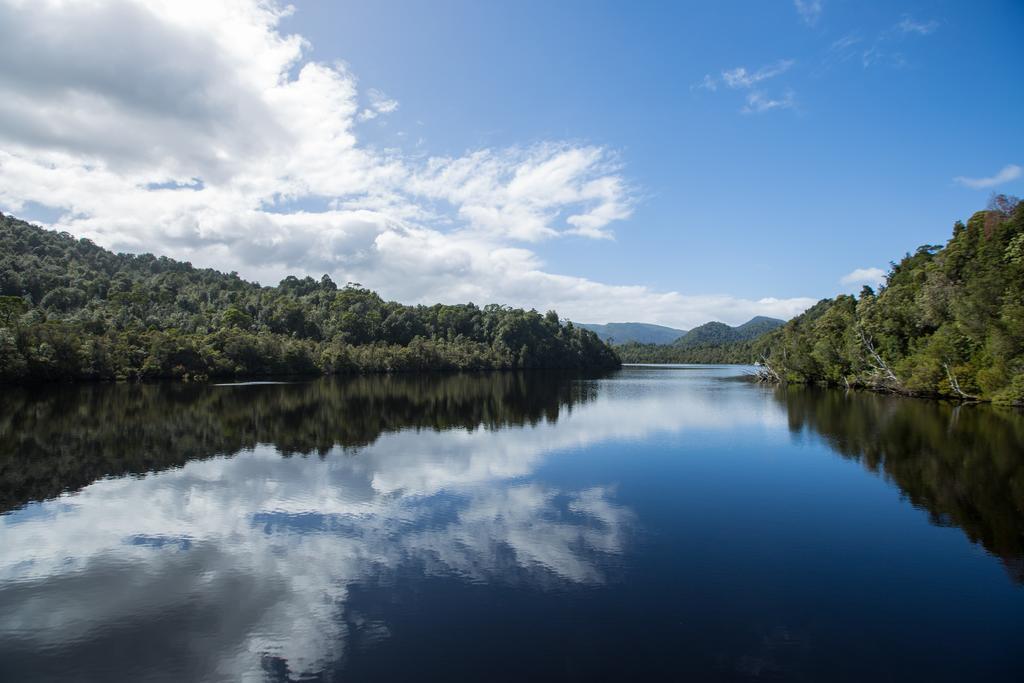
[
  {"x": 72, "y": 310},
  {"x": 949, "y": 321}
]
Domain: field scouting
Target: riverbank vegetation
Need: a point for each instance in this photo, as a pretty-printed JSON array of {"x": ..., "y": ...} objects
[
  {"x": 948, "y": 322},
  {"x": 72, "y": 310}
]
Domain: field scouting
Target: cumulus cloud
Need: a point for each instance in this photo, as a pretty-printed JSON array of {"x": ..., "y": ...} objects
[
  {"x": 864, "y": 276},
  {"x": 209, "y": 135},
  {"x": 1005, "y": 175}
]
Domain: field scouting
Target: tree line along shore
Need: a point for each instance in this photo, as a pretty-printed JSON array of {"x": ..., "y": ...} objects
[
  {"x": 71, "y": 310},
  {"x": 947, "y": 322}
]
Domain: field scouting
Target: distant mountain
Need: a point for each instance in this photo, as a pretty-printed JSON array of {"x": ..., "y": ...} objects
[
  {"x": 708, "y": 334},
  {"x": 713, "y": 342},
  {"x": 715, "y": 333},
  {"x": 643, "y": 333},
  {"x": 757, "y": 326}
]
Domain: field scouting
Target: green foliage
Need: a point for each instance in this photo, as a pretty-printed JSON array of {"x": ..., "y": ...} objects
[
  {"x": 949, "y": 321},
  {"x": 11, "y": 308},
  {"x": 72, "y": 310}
]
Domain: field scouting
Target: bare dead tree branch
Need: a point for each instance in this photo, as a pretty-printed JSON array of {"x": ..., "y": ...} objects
[
  {"x": 954, "y": 384},
  {"x": 765, "y": 371},
  {"x": 878, "y": 364}
]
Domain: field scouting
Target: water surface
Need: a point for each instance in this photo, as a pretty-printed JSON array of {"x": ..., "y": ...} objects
[{"x": 668, "y": 523}]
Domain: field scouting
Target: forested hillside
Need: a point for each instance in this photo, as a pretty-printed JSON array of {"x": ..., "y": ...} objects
[
  {"x": 644, "y": 333},
  {"x": 712, "y": 342},
  {"x": 720, "y": 333},
  {"x": 949, "y": 321},
  {"x": 72, "y": 310}
]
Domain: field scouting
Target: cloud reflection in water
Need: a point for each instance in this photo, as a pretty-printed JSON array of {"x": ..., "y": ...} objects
[{"x": 238, "y": 560}]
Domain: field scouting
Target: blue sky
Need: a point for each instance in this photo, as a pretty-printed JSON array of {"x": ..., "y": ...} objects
[
  {"x": 752, "y": 154},
  {"x": 858, "y": 171}
]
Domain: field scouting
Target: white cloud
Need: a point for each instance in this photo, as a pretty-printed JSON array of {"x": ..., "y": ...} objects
[
  {"x": 809, "y": 10},
  {"x": 741, "y": 77},
  {"x": 1005, "y": 175},
  {"x": 908, "y": 25},
  {"x": 883, "y": 49},
  {"x": 379, "y": 104},
  {"x": 864, "y": 276},
  {"x": 758, "y": 102},
  {"x": 842, "y": 45},
  {"x": 208, "y": 135},
  {"x": 709, "y": 82}
]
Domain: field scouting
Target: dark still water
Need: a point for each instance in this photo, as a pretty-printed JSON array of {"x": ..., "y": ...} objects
[{"x": 659, "y": 523}]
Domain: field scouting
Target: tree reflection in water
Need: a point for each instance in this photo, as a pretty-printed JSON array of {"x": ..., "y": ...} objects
[
  {"x": 60, "y": 438},
  {"x": 232, "y": 557},
  {"x": 266, "y": 531},
  {"x": 962, "y": 464}
]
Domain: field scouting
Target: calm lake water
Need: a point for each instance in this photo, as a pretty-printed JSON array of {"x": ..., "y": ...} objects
[{"x": 672, "y": 523}]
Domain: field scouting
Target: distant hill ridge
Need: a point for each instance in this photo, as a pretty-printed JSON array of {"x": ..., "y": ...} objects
[
  {"x": 642, "y": 333},
  {"x": 711, "y": 333},
  {"x": 720, "y": 333}
]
